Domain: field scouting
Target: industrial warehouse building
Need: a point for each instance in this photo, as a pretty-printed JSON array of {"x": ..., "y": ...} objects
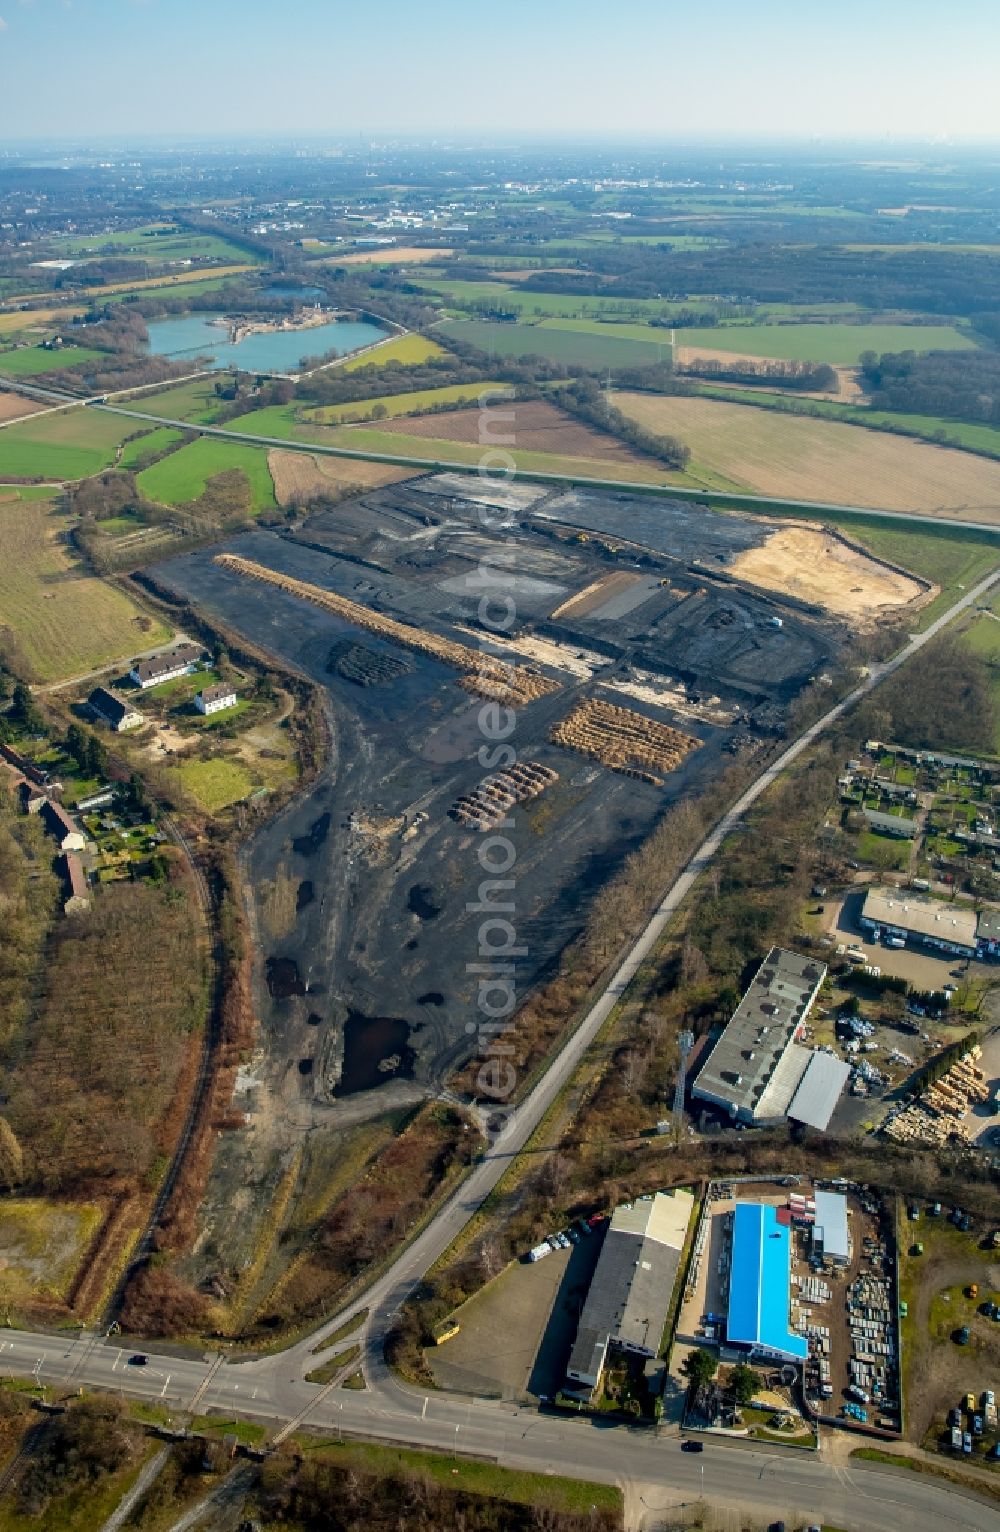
[
  {"x": 757, "y": 1072},
  {"x": 630, "y": 1293},
  {"x": 831, "y": 1239},
  {"x": 951, "y": 928},
  {"x": 760, "y": 1284}
]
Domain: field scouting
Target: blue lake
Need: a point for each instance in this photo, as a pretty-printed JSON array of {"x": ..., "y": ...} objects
[{"x": 273, "y": 351}]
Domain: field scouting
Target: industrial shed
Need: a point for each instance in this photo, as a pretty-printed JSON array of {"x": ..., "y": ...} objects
[
  {"x": 757, "y": 1318},
  {"x": 629, "y": 1296}
]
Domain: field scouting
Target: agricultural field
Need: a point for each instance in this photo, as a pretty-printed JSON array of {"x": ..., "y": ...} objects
[
  {"x": 16, "y": 320},
  {"x": 406, "y": 350},
  {"x": 195, "y": 400},
  {"x": 794, "y": 457},
  {"x": 297, "y": 476},
  {"x": 178, "y": 279},
  {"x": 531, "y": 304},
  {"x": 182, "y": 476},
  {"x": 527, "y": 425},
  {"x": 403, "y": 255},
  {"x": 399, "y": 404},
  {"x": 576, "y": 348},
  {"x": 62, "y": 620},
  {"x": 976, "y": 438},
  {"x": 29, "y": 361},
  {"x": 17, "y": 406},
  {"x": 152, "y": 242},
  {"x": 838, "y": 344},
  {"x": 71, "y": 444},
  {"x": 149, "y": 444},
  {"x": 437, "y": 449}
]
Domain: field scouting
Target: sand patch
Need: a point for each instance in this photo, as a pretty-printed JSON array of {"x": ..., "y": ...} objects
[
  {"x": 816, "y": 566},
  {"x": 595, "y": 595},
  {"x": 299, "y": 475}
]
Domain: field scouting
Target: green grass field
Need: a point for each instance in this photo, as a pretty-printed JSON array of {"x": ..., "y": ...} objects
[
  {"x": 150, "y": 442},
  {"x": 576, "y": 348},
  {"x": 182, "y": 476},
  {"x": 150, "y": 243},
  {"x": 533, "y": 305},
  {"x": 29, "y": 361},
  {"x": 196, "y": 401},
  {"x": 398, "y": 404},
  {"x": 191, "y": 290},
  {"x": 214, "y": 784},
  {"x": 72, "y": 444},
  {"x": 407, "y": 350},
  {"x": 839, "y": 344},
  {"x": 64, "y": 622}
]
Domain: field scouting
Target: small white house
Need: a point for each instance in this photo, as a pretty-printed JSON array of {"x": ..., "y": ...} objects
[{"x": 214, "y": 698}]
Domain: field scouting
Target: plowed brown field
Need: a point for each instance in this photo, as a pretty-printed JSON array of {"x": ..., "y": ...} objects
[{"x": 528, "y": 425}]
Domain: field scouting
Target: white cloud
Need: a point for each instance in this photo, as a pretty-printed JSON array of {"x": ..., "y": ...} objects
[{"x": 3, "y": 25}]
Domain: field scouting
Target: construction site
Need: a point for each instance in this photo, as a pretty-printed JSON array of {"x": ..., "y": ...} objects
[{"x": 495, "y": 661}]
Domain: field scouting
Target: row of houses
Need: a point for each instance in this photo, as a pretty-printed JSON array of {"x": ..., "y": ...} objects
[
  {"x": 114, "y": 709},
  {"x": 64, "y": 830}
]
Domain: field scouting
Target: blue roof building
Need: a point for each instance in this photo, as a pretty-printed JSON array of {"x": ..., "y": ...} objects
[{"x": 760, "y": 1285}]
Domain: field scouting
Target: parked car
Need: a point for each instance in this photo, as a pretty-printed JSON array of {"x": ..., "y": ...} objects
[
  {"x": 139, "y": 1359},
  {"x": 977, "y": 1425},
  {"x": 964, "y": 1336},
  {"x": 692, "y": 1446},
  {"x": 967, "y": 1443}
]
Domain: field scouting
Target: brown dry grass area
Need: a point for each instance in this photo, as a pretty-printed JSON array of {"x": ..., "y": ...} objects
[
  {"x": 385, "y": 255},
  {"x": 595, "y": 595},
  {"x": 16, "y": 406},
  {"x": 529, "y": 425},
  {"x": 299, "y": 475},
  {"x": 814, "y": 565},
  {"x": 793, "y": 457}
]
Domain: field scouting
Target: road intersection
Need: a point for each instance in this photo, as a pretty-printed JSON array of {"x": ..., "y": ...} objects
[{"x": 273, "y": 1389}]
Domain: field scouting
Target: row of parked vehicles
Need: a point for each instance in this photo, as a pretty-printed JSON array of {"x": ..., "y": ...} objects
[
  {"x": 583, "y": 1228},
  {"x": 980, "y": 1418}
]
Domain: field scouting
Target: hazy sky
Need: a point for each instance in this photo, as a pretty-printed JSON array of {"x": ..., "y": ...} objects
[{"x": 657, "y": 69}]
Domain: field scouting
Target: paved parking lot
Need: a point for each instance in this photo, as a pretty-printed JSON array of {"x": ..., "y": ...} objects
[{"x": 920, "y": 967}]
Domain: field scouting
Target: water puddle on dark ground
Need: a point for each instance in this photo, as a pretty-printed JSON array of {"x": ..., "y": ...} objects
[
  {"x": 309, "y": 844},
  {"x": 283, "y": 978},
  {"x": 371, "y": 1042},
  {"x": 304, "y": 894},
  {"x": 420, "y": 901}
]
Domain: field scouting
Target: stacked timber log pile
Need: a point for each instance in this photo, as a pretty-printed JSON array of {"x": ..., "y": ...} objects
[
  {"x": 628, "y": 742},
  {"x": 483, "y": 675},
  {"x": 937, "y": 1116},
  {"x": 492, "y": 799}
]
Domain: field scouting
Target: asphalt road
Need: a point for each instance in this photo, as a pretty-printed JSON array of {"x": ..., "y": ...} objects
[
  {"x": 273, "y": 1389},
  {"x": 800, "y": 1487}
]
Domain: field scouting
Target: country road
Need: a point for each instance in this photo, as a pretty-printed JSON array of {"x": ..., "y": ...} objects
[
  {"x": 273, "y": 1388},
  {"x": 617, "y": 486}
]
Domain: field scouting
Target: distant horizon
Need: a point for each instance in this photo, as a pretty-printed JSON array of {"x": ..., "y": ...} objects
[{"x": 719, "y": 72}]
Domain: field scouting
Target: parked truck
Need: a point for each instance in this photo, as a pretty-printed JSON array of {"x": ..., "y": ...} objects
[{"x": 956, "y": 1438}]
